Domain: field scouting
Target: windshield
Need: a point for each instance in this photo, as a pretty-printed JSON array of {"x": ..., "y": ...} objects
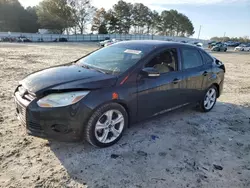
[{"x": 114, "y": 59}]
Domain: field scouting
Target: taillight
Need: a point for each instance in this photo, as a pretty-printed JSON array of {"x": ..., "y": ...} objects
[{"x": 220, "y": 65}]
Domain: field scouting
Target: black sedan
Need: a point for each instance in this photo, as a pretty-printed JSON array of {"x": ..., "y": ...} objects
[{"x": 100, "y": 95}]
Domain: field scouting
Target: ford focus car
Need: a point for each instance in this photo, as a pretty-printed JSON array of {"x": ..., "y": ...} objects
[{"x": 98, "y": 96}]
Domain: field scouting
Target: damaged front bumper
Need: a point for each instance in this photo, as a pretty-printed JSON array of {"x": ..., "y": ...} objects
[{"x": 63, "y": 123}]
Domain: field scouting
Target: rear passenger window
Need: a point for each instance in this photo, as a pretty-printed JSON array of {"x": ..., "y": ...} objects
[
  {"x": 207, "y": 59},
  {"x": 165, "y": 61},
  {"x": 191, "y": 58}
]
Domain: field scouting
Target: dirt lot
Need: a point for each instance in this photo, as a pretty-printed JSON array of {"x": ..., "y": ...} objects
[{"x": 178, "y": 149}]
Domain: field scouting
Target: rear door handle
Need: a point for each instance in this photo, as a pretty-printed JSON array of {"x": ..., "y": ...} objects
[
  {"x": 176, "y": 81},
  {"x": 205, "y": 73}
]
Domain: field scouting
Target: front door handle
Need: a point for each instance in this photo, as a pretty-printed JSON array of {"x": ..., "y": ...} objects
[
  {"x": 176, "y": 81},
  {"x": 205, "y": 73}
]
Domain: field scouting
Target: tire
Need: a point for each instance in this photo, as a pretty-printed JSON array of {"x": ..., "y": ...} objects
[
  {"x": 225, "y": 50},
  {"x": 218, "y": 50},
  {"x": 95, "y": 134},
  {"x": 206, "y": 106}
]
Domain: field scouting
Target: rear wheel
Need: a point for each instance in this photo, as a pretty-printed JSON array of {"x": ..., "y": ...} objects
[
  {"x": 106, "y": 125},
  {"x": 209, "y": 100}
]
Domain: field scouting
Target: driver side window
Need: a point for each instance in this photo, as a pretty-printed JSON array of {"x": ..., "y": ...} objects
[{"x": 165, "y": 61}]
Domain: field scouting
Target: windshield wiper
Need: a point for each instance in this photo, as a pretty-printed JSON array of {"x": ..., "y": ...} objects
[
  {"x": 85, "y": 66},
  {"x": 93, "y": 68},
  {"x": 100, "y": 71}
]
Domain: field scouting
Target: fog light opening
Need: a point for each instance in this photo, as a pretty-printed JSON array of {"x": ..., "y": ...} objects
[{"x": 60, "y": 128}]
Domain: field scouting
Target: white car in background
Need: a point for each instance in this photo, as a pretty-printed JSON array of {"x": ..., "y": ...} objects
[
  {"x": 242, "y": 47},
  {"x": 198, "y": 44},
  {"x": 113, "y": 41},
  {"x": 102, "y": 43}
]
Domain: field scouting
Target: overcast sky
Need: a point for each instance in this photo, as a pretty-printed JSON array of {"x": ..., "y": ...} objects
[{"x": 215, "y": 16}]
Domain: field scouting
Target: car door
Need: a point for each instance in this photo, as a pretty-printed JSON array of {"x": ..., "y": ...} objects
[
  {"x": 208, "y": 68},
  {"x": 195, "y": 73},
  {"x": 158, "y": 94}
]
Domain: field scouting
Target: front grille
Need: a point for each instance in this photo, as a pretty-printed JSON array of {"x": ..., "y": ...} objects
[
  {"x": 22, "y": 97},
  {"x": 34, "y": 126},
  {"x": 21, "y": 110}
]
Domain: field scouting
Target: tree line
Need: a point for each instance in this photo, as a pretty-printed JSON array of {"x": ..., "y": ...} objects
[
  {"x": 244, "y": 39},
  {"x": 75, "y": 16}
]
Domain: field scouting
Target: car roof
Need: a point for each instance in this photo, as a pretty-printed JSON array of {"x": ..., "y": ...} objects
[{"x": 156, "y": 43}]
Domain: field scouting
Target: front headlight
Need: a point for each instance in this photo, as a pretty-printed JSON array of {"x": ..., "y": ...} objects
[{"x": 61, "y": 99}]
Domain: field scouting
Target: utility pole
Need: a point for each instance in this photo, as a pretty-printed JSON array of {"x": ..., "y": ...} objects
[
  {"x": 199, "y": 32},
  {"x": 224, "y": 36}
]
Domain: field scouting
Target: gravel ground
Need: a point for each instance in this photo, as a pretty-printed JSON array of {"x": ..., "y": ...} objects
[{"x": 184, "y": 148}]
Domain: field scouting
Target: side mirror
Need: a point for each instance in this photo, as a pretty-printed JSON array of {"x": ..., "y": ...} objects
[{"x": 150, "y": 72}]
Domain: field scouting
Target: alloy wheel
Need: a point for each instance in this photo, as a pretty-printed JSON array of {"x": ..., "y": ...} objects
[
  {"x": 109, "y": 126},
  {"x": 210, "y": 99}
]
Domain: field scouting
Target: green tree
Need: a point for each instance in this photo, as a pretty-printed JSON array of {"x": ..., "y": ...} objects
[
  {"x": 244, "y": 39},
  {"x": 8, "y": 17},
  {"x": 29, "y": 21},
  {"x": 102, "y": 29},
  {"x": 140, "y": 17},
  {"x": 174, "y": 23},
  {"x": 13, "y": 17},
  {"x": 168, "y": 22},
  {"x": 83, "y": 13},
  {"x": 153, "y": 22},
  {"x": 99, "y": 21},
  {"x": 55, "y": 15},
  {"x": 112, "y": 22},
  {"x": 122, "y": 12}
]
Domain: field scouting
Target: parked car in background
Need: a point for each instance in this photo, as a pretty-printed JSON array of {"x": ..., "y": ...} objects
[
  {"x": 100, "y": 95},
  {"x": 234, "y": 44},
  {"x": 60, "y": 40},
  {"x": 8, "y": 39},
  {"x": 40, "y": 40},
  {"x": 113, "y": 41},
  {"x": 198, "y": 44},
  {"x": 212, "y": 44},
  {"x": 63, "y": 40},
  {"x": 23, "y": 39},
  {"x": 242, "y": 47},
  {"x": 102, "y": 43},
  {"x": 219, "y": 47},
  {"x": 231, "y": 43}
]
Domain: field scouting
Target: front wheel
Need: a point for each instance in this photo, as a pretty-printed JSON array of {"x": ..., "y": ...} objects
[
  {"x": 106, "y": 125},
  {"x": 209, "y": 99}
]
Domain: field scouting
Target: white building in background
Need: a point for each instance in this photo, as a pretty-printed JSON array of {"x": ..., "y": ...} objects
[{"x": 43, "y": 31}]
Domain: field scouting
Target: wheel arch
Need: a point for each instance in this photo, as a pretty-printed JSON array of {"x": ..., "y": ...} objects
[
  {"x": 125, "y": 106},
  {"x": 218, "y": 88},
  {"x": 120, "y": 102}
]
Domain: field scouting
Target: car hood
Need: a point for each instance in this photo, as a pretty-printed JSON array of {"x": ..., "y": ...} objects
[{"x": 66, "y": 77}]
